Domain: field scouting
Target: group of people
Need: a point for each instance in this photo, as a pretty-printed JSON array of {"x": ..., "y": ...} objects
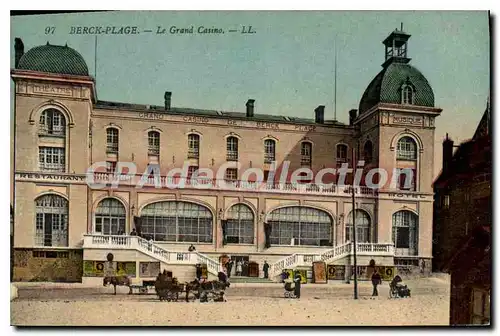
[{"x": 242, "y": 268}]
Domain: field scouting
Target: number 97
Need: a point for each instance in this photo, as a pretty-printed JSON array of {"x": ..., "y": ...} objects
[{"x": 49, "y": 30}]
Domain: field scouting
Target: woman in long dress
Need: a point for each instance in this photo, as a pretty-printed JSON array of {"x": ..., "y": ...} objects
[{"x": 238, "y": 268}]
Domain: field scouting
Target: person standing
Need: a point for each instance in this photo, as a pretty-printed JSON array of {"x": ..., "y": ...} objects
[
  {"x": 266, "y": 269},
  {"x": 297, "y": 281},
  {"x": 199, "y": 272},
  {"x": 376, "y": 280},
  {"x": 229, "y": 266},
  {"x": 238, "y": 268}
]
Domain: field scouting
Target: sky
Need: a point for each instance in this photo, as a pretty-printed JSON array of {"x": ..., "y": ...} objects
[{"x": 287, "y": 65}]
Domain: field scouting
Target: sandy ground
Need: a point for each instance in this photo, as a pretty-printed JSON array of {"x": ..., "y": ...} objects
[{"x": 319, "y": 305}]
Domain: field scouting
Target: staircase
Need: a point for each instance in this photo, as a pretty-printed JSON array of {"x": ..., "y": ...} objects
[
  {"x": 329, "y": 256},
  {"x": 151, "y": 249},
  {"x": 243, "y": 279}
]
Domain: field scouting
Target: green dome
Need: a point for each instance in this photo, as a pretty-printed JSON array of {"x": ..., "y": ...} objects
[
  {"x": 386, "y": 87},
  {"x": 54, "y": 59}
]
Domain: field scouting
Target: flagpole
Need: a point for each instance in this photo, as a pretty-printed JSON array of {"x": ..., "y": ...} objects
[{"x": 354, "y": 227}]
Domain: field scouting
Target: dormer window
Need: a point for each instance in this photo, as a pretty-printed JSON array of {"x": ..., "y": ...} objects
[{"x": 407, "y": 93}]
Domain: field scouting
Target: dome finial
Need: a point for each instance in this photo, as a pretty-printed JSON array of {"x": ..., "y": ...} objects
[{"x": 48, "y": 43}]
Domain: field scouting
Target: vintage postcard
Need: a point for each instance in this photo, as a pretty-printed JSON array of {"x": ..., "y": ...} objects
[{"x": 279, "y": 168}]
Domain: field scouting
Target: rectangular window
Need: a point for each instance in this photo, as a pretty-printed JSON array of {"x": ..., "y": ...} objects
[
  {"x": 232, "y": 149},
  {"x": 266, "y": 177},
  {"x": 446, "y": 201},
  {"x": 110, "y": 166},
  {"x": 231, "y": 174},
  {"x": 306, "y": 154},
  {"x": 51, "y": 159},
  {"x": 191, "y": 171},
  {"x": 193, "y": 146},
  {"x": 112, "y": 140},
  {"x": 480, "y": 310},
  {"x": 403, "y": 237},
  {"x": 404, "y": 176},
  {"x": 153, "y": 143},
  {"x": 269, "y": 151},
  {"x": 341, "y": 154}
]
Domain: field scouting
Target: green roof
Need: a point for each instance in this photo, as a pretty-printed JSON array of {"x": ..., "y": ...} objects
[
  {"x": 386, "y": 86},
  {"x": 215, "y": 113},
  {"x": 54, "y": 59}
]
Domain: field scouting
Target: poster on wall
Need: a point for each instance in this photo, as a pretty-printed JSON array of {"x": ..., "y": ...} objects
[
  {"x": 319, "y": 272},
  {"x": 149, "y": 269},
  {"x": 302, "y": 273},
  {"x": 126, "y": 268},
  {"x": 386, "y": 272},
  {"x": 336, "y": 272},
  {"x": 92, "y": 268},
  {"x": 88, "y": 268}
]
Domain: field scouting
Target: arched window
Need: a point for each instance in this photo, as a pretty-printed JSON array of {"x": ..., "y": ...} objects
[
  {"x": 51, "y": 227},
  {"x": 153, "y": 143},
  {"x": 408, "y": 95},
  {"x": 405, "y": 232},
  {"x": 177, "y": 222},
  {"x": 52, "y": 159},
  {"x": 300, "y": 226},
  {"x": 193, "y": 146},
  {"x": 110, "y": 217},
  {"x": 52, "y": 122},
  {"x": 240, "y": 225},
  {"x": 363, "y": 227},
  {"x": 112, "y": 140},
  {"x": 407, "y": 149},
  {"x": 269, "y": 151},
  {"x": 368, "y": 152},
  {"x": 232, "y": 148},
  {"x": 341, "y": 153},
  {"x": 306, "y": 153}
]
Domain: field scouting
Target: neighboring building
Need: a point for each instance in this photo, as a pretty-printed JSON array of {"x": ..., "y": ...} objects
[
  {"x": 462, "y": 224},
  {"x": 64, "y": 228}
]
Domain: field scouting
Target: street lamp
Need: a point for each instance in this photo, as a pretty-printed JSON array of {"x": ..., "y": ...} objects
[{"x": 354, "y": 227}]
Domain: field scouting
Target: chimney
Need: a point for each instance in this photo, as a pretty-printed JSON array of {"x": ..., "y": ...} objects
[
  {"x": 250, "y": 106},
  {"x": 19, "y": 50},
  {"x": 352, "y": 116},
  {"x": 168, "y": 100},
  {"x": 447, "y": 152},
  {"x": 319, "y": 116}
]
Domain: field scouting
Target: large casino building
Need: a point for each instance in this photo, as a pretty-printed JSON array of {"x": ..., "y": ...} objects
[{"x": 64, "y": 228}]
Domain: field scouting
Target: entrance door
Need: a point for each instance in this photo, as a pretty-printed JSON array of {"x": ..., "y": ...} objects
[
  {"x": 47, "y": 230},
  {"x": 244, "y": 264}
]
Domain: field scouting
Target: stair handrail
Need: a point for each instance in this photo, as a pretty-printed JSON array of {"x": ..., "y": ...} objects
[{"x": 156, "y": 250}]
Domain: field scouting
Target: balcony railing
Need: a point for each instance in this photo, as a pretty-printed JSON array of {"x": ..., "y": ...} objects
[
  {"x": 269, "y": 158},
  {"x": 223, "y": 184},
  {"x": 52, "y": 167},
  {"x": 55, "y": 131},
  {"x": 232, "y": 156},
  {"x": 193, "y": 153},
  {"x": 112, "y": 148},
  {"x": 152, "y": 150},
  {"x": 150, "y": 248}
]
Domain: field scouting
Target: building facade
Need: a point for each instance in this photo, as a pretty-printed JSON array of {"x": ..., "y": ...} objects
[
  {"x": 462, "y": 225},
  {"x": 65, "y": 227}
]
